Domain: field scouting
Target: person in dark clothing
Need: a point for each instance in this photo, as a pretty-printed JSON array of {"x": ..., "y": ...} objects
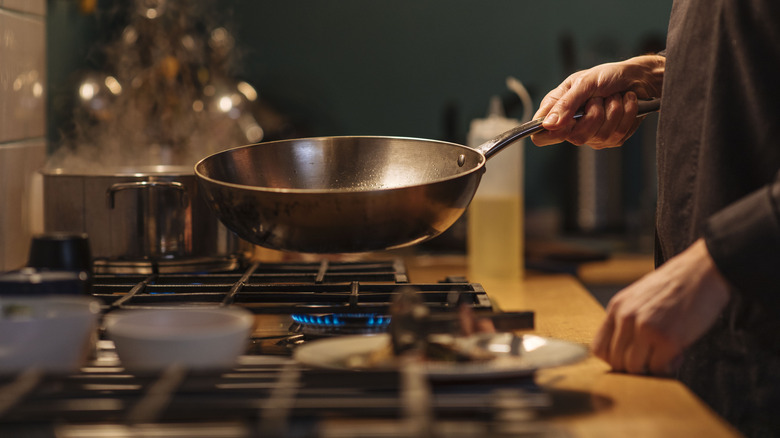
[{"x": 710, "y": 312}]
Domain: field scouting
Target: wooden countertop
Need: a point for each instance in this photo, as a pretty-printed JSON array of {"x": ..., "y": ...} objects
[
  {"x": 589, "y": 400},
  {"x": 619, "y": 269}
]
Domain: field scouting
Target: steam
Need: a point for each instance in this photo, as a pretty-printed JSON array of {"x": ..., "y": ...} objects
[{"x": 164, "y": 95}]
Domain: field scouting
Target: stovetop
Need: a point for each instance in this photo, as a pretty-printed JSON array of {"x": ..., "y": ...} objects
[{"x": 268, "y": 393}]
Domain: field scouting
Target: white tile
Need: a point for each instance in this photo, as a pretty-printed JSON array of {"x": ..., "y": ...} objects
[
  {"x": 37, "y": 7},
  {"x": 35, "y": 160},
  {"x": 18, "y": 163},
  {"x": 12, "y": 159},
  {"x": 4, "y": 204},
  {"x": 22, "y": 76},
  {"x": 5, "y": 73}
]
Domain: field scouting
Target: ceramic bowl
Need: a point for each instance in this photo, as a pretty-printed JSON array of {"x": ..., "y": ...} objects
[
  {"x": 52, "y": 333},
  {"x": 196, "y": 339}
]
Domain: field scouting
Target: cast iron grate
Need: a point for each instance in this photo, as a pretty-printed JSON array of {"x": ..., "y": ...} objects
[
  {"x": 286, "y": 288},
  {"x": 262, "y": 396}
]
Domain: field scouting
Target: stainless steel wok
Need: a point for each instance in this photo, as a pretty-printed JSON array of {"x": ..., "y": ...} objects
[{"x": 348, "y": 194}]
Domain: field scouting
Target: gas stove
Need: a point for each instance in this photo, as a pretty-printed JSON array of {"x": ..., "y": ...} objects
[
  {"x": 268, "y": 393},
  {"x": 293, "y": 301}
]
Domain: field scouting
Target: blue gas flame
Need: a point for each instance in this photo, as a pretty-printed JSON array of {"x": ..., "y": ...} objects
[{"x": 343, "y": 319}]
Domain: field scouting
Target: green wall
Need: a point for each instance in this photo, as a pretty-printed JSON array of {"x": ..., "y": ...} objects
[
  {"x": 384, "y": 67},
  {"x": 351, "y": 67}
]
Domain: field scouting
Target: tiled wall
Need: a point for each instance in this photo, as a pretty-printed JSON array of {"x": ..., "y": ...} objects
[{"x": 22, "y": 124}]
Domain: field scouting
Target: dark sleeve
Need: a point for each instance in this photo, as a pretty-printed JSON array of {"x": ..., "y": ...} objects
[{"x": 744, "y": 241}]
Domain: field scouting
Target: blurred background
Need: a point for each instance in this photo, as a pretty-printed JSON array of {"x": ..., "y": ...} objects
[{"x": 349, "y": 67}]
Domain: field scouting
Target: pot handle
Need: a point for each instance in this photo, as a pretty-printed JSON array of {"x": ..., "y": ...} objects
[
  {"x": 495, "y": 145},
  {"x": 144, "y": 185}
]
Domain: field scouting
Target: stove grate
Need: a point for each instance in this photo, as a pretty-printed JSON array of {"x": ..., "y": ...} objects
[
  {"x": 261, "y": 396},
  {"x": 300, "y": 288}
]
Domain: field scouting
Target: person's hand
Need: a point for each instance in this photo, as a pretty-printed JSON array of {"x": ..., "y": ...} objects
[
  {"x": 608, "y": 93},
  {"x": 652, "y": 321}
]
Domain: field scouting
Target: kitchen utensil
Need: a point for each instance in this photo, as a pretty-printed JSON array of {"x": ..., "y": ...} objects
[
  {"x": 51, "y": 333},
  {"x": 136, "y": 214},
  {"x": 200, "y": 339},
  {"x": 514, "y": 355},
  {"x": 412, "y": 323},
  {"x": 61, "y": 251},
  {"x": 348, "y": 194}
]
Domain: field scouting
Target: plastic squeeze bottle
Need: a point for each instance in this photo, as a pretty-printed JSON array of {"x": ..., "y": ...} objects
[{"x": 495, "y": 215}]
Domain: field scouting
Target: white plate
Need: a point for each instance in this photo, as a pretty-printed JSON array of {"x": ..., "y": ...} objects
[{"x": 515, "y": 355}]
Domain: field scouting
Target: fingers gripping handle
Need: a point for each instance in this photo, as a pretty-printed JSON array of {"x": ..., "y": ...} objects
[{"x": 495, "y": 145}]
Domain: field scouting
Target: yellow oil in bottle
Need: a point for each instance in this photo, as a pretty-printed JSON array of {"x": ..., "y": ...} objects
[{"x": 495, "y": 237}]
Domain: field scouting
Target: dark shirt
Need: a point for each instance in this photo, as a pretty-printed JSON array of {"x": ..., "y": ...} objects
[{"x": 718, "y": 160}]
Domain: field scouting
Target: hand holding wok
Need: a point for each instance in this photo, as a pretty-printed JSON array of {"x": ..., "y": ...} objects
[{"x": 608, "y": 95}]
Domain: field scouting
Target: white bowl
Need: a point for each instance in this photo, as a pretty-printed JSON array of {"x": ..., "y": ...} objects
[
  {"x": 51, "y": 333},
  {"x": 197, "y": 339}
]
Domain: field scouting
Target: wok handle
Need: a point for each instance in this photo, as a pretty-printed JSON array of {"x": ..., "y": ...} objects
[{"x": 495, "y": 145}]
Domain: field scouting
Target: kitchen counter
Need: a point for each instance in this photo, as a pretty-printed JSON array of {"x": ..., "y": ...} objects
[{"x": 588, "y": 399}]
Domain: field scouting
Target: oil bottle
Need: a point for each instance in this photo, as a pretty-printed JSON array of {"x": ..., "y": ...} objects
[{"x": 495, "y": 215}]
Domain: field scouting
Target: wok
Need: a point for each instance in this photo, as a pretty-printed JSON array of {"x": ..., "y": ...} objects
[{"x": 348, "y": 194}]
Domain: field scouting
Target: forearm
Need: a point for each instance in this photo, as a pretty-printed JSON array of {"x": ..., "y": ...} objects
[{"x": 744, "y": 241}]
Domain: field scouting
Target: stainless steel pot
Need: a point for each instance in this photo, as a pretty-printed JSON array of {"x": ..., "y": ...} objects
[{"x": 144, "y": 214}]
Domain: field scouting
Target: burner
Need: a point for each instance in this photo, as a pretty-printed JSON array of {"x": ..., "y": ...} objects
[{"x": 332, "y": 324}]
